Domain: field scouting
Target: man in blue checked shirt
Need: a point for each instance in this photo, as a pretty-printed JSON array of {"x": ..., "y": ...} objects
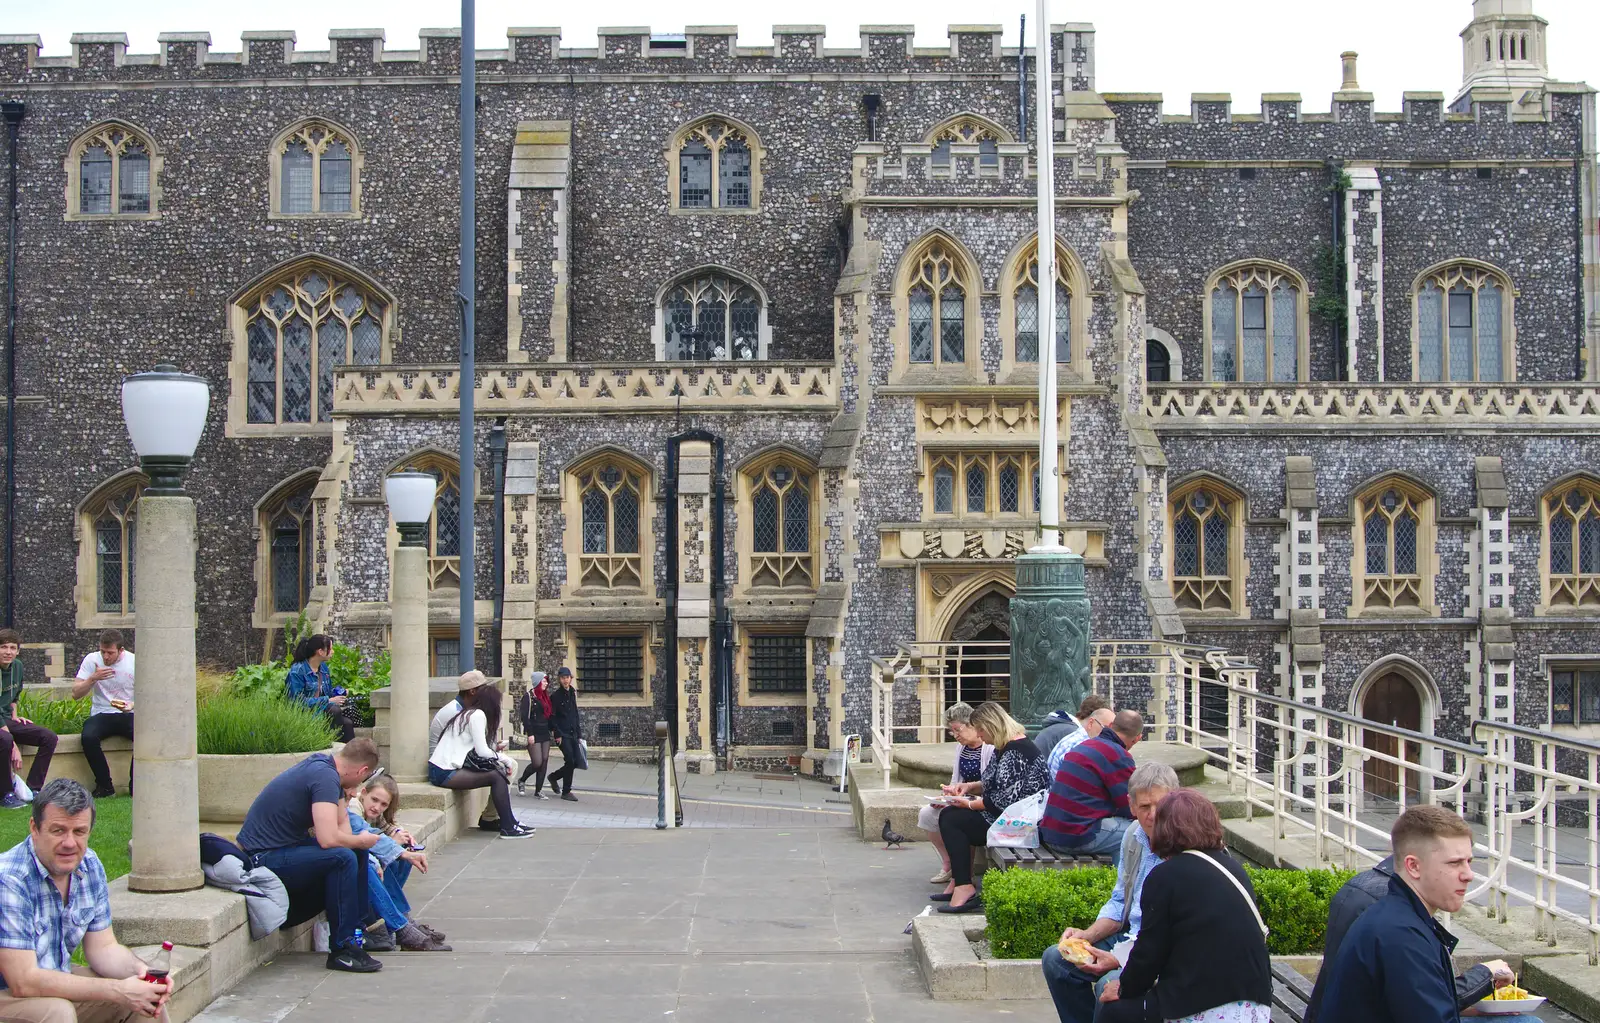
[
  {"x": 1074, "y": 987},
  {"x": 52, "y": 897}
]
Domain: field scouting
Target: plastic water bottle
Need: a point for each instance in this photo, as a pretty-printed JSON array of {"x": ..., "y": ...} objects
[
  {"x": 159, "y": 967},
  {"x": 359, "y": 939}
]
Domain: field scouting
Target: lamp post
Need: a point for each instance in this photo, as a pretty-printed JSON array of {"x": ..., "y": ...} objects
[
  {"x": 1050, "y": 613},
  {"x": 410, "y": 496},
  {"x": 165, "y": 412}
]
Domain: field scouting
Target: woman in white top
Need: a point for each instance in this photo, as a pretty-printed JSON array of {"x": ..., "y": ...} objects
[{"x": 466, "y": 759}]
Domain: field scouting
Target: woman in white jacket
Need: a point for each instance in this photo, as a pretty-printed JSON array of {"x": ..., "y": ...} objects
[
  {"x": 971, "y": 759},
  {"x": 466, "y": 758}
]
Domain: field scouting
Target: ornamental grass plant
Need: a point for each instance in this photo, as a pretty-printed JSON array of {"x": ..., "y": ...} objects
[
  {"x": 232, "y": 725},
  {"x": 1027, "y": 910},
  {"x": 63, "y": 717}
]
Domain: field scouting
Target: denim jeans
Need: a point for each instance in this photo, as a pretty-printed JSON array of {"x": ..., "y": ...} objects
[
  {"x": 339, "y": 875},
  {"x": 1074, "y": 991},
  {"x": 386, "y": 895},
  {"x": 1107, "y": 840}
]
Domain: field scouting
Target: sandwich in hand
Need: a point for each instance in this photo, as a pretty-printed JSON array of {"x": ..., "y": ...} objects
[{"x": 1076, "y": 951}]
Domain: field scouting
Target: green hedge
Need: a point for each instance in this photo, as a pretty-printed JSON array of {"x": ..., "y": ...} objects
[
  {"x": 235, "y": 725},
  {"x": 1028, "y": 909}
]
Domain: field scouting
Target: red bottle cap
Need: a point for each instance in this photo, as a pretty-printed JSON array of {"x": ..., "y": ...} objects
[{"x": 166, "y": 946}]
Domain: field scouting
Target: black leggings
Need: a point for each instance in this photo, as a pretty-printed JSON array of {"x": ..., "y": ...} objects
[
  {"x": 962, "y": 831},
  {"x": 538, "y": 760},
  {"x": 343, "y": 721},
  {"x": 499, "y": 792}
]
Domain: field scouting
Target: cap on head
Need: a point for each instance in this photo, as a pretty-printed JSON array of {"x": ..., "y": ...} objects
[
  {"x": 472, "y": 680},
  {"x": 564, "y": 672}
]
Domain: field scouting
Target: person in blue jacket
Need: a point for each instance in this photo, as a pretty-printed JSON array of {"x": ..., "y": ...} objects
[
  {"x": 310, "y": 683},
  {"x": 1394, "y": 965}
]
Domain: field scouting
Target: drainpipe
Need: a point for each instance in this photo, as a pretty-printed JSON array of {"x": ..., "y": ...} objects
[
  {"x": 1335, "y": 167},
  {"x": 497, "y": 470},
  {"x": 13, "y": 112}
]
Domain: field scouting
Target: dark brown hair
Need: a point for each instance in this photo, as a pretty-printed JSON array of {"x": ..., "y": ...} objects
[
  {"x": 10, "y": 636},
  {"x": 1423, "y": 824},
  {"x": 1185, "y": 820},
  {"x": 1090, "y": 704},
  {"x": 111, "y": 637}
]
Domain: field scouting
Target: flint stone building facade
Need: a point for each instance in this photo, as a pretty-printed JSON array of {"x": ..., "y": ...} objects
[{"x": 757, "y": 358}]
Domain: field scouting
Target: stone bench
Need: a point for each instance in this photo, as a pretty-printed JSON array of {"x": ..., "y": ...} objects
[
  {"x": 68, "y": 761},
  {"x": 1042, "y": 859}
]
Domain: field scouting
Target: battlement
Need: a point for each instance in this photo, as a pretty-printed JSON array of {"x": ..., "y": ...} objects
[
  {"x": 361, "y": 51},
  {"x": 1487, "y": 104}
]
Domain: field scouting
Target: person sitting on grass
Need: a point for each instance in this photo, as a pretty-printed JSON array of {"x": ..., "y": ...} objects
[
  {"x": 53, "y": 897},
  {"x": 372, "y": 809},
  {"x": 1074, "y": 986},
  {"x": 464, "y": 758}
]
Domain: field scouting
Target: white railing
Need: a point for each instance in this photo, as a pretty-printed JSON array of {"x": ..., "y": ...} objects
[{"x": 1328, "y": 782}]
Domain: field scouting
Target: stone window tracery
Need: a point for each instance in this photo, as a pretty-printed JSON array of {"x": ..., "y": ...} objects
[
  {"x": 108, "y": 552},
  {"x": 1463, "y": 324},
  {"x": 286, "y": 524},
  {"x": 1256, "y": 323},
  {"x": 1572, "y": 546},
  {"x": 111, "y": 173},
  {"x": 968, "y": 129},
  {"x": 610, "y": 494},
  {"x": 444, "y": 528},
  {"x": 983, "y": 483},
  {"x": 1393, "y": 562},
  {"x": 780, "y": 509},
  {"x": 715, "y": 165},
  {"x": 315, "y": 172},
  {"x": 712, "y": 317},
  {"x": 1026, "y": 297},
  {"x": 936, "y": 310},
  {"x": 297, "y": 329},
  {"x": 1207, "y": 538}
]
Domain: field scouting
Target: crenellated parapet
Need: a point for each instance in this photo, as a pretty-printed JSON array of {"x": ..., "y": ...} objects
[{"x": 623, "y": 49}]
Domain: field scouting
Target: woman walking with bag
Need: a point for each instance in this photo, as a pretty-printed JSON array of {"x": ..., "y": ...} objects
[
  {"x": 535, "y": 710},
  {"x": 568, "y": 731},
  {"x": 1200, "y": 933}
]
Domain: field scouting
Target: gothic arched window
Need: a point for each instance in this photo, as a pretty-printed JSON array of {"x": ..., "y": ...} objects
[
  {"x": 444, "y": 528},
  {"x": 315, "y": 172},
  {"x": 1572, "y": 538},
  {"x": 1463, "y": 324},
  {"x": 1025, "y": 295},
  {"x": 1206, "y": 541},
  {"x": 715, "y": 165},
  {"x": 1256, "y": 319},
  {"x": 111, "y": 172},
  {"x": 107, "y": 553},
  {"x": 1394, "y": 544},
  {"x": 298, "y": 328},
  {"x": 611, "y": 493},
  {"x": 780, "y": 525},
  {"x": 712, "y": 317},
  {"x": 936, "y": 309}
]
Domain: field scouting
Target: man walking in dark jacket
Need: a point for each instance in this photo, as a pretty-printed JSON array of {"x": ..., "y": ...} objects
[
  {"x": 1356, "y": 897},
  {"x": 568, "y": 732},
  {"x": 1394, "y": 963}
]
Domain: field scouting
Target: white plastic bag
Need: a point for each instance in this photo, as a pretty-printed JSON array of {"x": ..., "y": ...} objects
[
  {"x": 1018, "y": 826},
  {"x": 319, "y": 936},
  {"x": 20, "y": 789}
]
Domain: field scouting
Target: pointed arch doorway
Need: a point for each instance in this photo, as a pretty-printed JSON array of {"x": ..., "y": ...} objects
[
  {"x": 1392, "y": 699},
  {"x": 981, "y": 666}
]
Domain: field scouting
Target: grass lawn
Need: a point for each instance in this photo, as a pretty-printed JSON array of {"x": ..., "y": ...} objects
[{"x": 113, "y": 826}]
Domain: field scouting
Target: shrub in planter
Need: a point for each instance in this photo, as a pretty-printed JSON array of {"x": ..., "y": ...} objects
[
  {"x": 63, "y": 717},
  {"x": 1028, "y": 909},
  {"x": 233, "y": 725}
]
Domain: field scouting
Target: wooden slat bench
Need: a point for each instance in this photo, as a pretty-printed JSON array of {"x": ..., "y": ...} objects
[
  {"x": 1290, "y": 993},
  {"x": 1042, "y": 859}
]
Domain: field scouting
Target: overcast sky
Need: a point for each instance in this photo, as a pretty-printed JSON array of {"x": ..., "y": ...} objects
[{"x": 1174, "y": 47}]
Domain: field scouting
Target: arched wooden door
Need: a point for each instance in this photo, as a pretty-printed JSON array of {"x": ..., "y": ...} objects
[{"x": 1392, "y": 700}]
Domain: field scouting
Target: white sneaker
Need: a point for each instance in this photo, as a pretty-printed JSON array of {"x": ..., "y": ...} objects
[{"x": 522, "y": 789}]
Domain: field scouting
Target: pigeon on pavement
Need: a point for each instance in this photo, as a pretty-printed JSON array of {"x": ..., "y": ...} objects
[{"x": 890, "y": 836}]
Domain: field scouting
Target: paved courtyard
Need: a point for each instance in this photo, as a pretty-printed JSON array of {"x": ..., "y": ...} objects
[{"x": 613, "y": 920}]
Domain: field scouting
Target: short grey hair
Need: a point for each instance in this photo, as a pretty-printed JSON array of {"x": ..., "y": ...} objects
[
  {"x": 961, "y": 712},
  {"x": 66, "y": 795},
  {"x": 1152, "y": 776}
]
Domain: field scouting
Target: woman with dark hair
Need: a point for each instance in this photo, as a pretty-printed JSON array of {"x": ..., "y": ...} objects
[
  {"x": 466, "y": 758},
  {"x": 535, "y": 711},
  {"x": 310, "y": 684},
  {"x": 1200, "y": 931}
]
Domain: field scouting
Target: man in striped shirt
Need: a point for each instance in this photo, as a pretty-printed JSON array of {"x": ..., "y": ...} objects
[{"x": 1087, "y": 811}]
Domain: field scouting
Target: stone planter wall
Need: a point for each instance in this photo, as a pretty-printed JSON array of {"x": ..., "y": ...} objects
[{"x": 229, "y": 784}]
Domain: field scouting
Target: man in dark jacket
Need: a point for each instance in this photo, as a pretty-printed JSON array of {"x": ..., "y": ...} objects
[
  {"x": 1355, "y": 898},
  {"x": 568, "y": 732},
  {"x": 1394, "y": 965}
]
